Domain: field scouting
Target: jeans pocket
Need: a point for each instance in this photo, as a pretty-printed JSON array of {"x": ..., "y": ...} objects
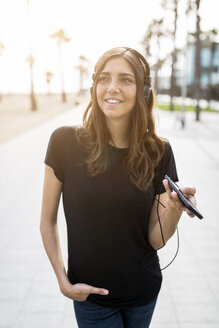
[{"x": 81, "y": 301}]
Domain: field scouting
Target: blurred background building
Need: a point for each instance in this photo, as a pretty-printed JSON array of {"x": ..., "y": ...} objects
[{"x": 209, "y": 78}]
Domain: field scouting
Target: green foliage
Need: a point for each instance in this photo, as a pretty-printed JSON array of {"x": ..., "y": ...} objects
[{"x": 187, "y": 108}]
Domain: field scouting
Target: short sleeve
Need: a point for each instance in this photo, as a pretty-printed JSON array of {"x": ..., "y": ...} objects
[
  {"x": 166, "y": 166},
  {"x": 55, "y": 153}
]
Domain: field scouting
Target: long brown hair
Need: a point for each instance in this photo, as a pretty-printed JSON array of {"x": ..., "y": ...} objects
[{"x": 145, "y": 147}]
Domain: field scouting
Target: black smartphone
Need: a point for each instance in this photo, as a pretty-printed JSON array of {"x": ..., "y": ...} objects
[{"x": 183, "y": 198}]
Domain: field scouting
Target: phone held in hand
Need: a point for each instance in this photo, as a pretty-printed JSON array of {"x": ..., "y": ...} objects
[{"x": 183, "y": 198}]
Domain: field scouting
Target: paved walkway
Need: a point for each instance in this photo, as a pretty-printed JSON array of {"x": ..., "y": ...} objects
[{"x": 29, "y": 294}]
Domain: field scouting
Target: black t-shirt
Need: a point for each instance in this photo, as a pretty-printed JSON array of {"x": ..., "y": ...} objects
[{"x": 107, "y": 222}]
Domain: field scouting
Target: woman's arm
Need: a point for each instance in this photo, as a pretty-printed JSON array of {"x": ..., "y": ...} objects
[
  {"x": 169, "y": 216},
  {"x": 49, "y": 232},
  {"x": 48, "y": 224}
]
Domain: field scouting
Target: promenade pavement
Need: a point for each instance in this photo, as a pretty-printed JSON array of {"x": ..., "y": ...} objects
[{"x": 29, "y": 293}]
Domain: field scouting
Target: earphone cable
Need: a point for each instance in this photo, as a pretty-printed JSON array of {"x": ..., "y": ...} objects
[{"x": 161, "y": 231}]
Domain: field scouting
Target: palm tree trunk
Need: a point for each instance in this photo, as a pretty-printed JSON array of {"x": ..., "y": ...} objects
[
  {"x": 61, "y": 73},
  {"x": 32, "y": 96},
  {"x": 156, "y": 84},
  {"x": 33, "y": 102},
  {"x": 197, "y": 63},
  {"x": 48, "y": 88},
  {"x": 173, "y": 77}
]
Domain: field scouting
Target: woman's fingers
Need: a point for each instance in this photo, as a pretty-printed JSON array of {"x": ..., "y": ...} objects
[
  {"x": 167, "y": 187},
  {"x": 87, "y": 289},
  {"x": 190, "y": 191},
  {"x": 95, "y": 290},
  {"x": 174, "y": 200},
  {"x": 177, "y": 201},
  {"x": 80, "y": 291},
  {"x": 173, "y": 197},
  {"x": 191, "y": 214}
]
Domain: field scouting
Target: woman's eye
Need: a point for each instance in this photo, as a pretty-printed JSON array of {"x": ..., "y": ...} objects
[
  {"x": 103, "y": 79},
  {"x": 127, "y": 80}
]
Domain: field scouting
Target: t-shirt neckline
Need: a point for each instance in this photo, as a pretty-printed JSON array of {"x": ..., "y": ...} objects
[{"x": 117, "y": 148}]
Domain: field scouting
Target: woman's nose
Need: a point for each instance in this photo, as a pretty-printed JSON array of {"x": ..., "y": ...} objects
[{"x": 113, "y": 87}]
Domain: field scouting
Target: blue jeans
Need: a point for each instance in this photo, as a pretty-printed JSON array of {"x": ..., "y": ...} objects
[{"x": 90, "y": 315}]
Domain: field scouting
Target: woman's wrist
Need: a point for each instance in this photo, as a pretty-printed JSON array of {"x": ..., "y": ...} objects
[
  {"x": 172, "y": 214},
  {"x": 66, "y": 289},
  {"x": 64, "y": 284}
]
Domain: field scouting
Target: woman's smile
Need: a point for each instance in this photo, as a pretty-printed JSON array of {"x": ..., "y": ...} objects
[{"x": 113, "y": 101}]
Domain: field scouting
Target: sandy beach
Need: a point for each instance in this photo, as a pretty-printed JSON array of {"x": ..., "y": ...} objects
[{"x": 16, "y": 116}]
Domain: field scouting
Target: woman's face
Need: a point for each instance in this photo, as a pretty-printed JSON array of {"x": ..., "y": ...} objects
[{"x": 116, "y": 89}]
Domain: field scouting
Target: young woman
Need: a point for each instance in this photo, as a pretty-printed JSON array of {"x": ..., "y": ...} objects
[{"x": 111, "y": 174}]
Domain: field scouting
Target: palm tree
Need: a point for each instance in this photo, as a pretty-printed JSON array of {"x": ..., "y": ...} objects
[
  {"x": 193, "y": 6},
  {"x": 61, "y": 38},
  {"x": 49, "y": 75},
  {"x": 147, "y": 39},
  {"x": 83, "y": 71},
  {"x": 197, "y": 60},
  {"x": 1, "y": 50},
  {"x": 30, "y": 59},
  {"x": 172, "y": 5},
  {"x": 155, "y": 32},
  {"x": 182, "y": 116}
]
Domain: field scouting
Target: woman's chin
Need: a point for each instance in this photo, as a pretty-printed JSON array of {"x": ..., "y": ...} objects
[{"x": 112, "y": 114}]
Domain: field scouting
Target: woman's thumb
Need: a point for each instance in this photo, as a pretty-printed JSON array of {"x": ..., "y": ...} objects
[{"x": 101, "y": 291}]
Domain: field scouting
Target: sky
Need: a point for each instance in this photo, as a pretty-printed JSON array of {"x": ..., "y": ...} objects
[{"x": 93, "y": 26}]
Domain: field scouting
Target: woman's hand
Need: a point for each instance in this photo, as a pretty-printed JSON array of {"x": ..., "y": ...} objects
[
  {"x": 175, "y": 202},
  {"x": 80, "y": 292}
]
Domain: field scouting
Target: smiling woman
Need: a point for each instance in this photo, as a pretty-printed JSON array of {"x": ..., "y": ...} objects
[
  {"x": 122, "y": 75},
  {"x": 110, "y": 172},
  {"x": 116, "y": 90}
]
